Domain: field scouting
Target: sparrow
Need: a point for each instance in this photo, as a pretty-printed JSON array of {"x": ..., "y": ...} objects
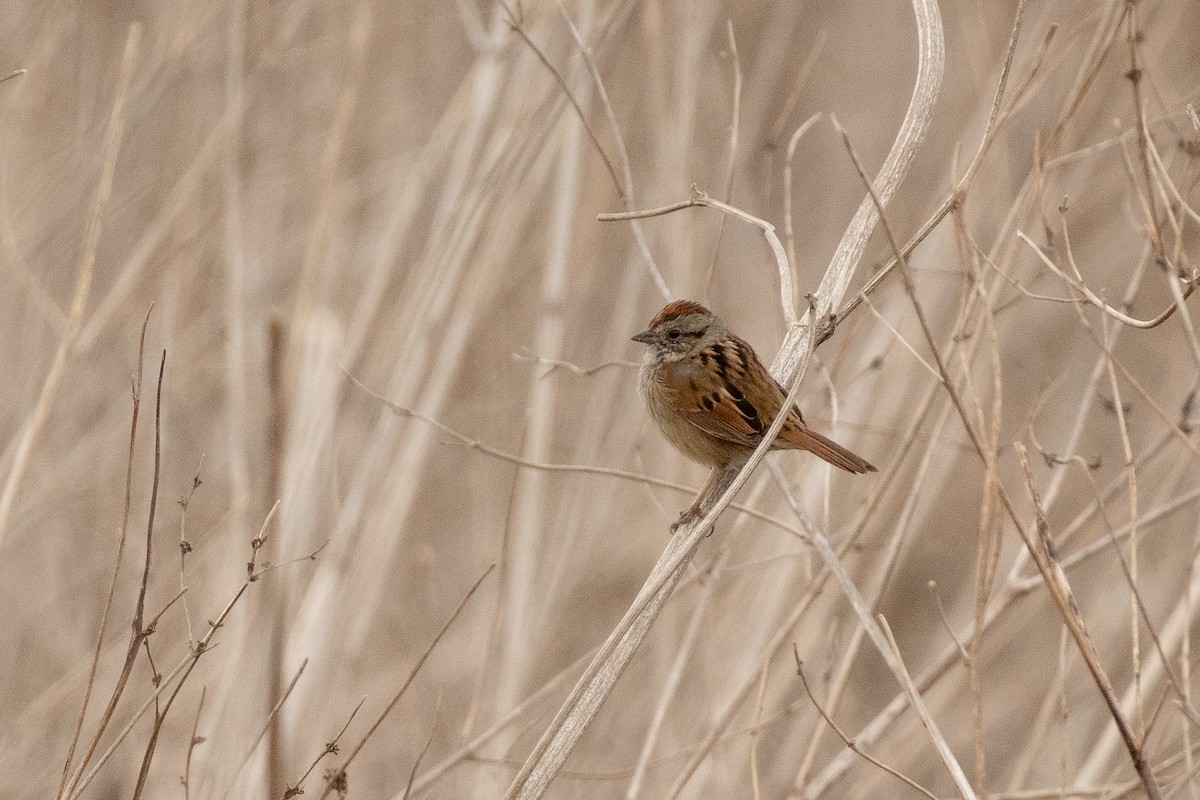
[{"x": 712, "y": 397}]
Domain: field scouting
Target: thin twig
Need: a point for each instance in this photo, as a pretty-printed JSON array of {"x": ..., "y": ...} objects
[
  {"x": 1135, "y": 76},
  {"x": 1060, "y": 590},
  {"x": 185, "y": 546},
  {"x": 140, "y": 607},
  {"x": 1099, "y": 303},
  {"x": 754, "y": 732},
  {"x": 734, "y": 129},
  {"x": 266, "y": 726},
  {"x": 625, "y": 190},
  {"x": 1166, "y": 181},
  {"x": 516, "y": 21},
  {"x": 338, "y": 774},
  {"x": 1132, "y": 567},
  {"x": 552, "y": 364},
  {"x": 801, "y": 81},
  {"x": 585, "y": 469},
  {"x": 940, "y": 744},
  {"x": 846, "y": 740},
  {"x": 121, "y": 536},
  {"x": 937, "y": 599},
  {"x": 598, "y": 680},
  {"x": 412, "y": 773},
  {"x": 789, "y": 235},
  {"x": 700, "y": 198},
  {"x": 192, "y": 742},
  {"x": 31, "y": 431},
  {"x": 331, "y": 747}
]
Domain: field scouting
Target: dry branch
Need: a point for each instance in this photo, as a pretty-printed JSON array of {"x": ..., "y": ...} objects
[
  {"x": 846, "y": 740},
  {"x": 1060, "y": 589},
  {"x": 601, "y": 676},
  {"x": 36, "y": 422},
  {"x": 337, "y": 775}
]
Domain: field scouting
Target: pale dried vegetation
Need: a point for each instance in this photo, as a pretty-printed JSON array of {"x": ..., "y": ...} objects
[{"x": 416, "y": 487}]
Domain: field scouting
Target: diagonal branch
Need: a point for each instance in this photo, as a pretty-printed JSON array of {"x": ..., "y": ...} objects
[
  {"x": 1060, "y": 591},
  {"x": 31, "y": 431},
  {"x": 600, "y": 677}
]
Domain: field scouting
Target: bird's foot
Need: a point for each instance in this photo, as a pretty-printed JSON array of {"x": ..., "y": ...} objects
[{"x": 689, "y": 516}]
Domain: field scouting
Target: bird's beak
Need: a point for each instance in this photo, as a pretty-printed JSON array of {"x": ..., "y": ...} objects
[{"x": 646, "y": 337}]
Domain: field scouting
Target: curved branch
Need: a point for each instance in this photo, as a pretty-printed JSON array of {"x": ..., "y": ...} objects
[
  {"x": 1090, "y": 296},
  {"x": 834, "y": 285},
  {"x": 600, "y": 677}
]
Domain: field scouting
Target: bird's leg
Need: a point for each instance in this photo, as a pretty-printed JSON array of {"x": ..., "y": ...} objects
[{"x": 696, "y": 510}]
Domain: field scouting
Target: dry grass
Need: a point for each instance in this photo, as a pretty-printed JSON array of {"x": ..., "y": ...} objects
[{"x": 407, "y": 193}]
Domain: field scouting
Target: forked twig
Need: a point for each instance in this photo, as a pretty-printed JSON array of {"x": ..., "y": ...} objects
[
  {"x": 1060, "y": 591},
  {"x": 184, "y": 668},
  {"x": 331, "y": 747},
  {"x": 624, "y": 182},
  {"x": 121, "y": 536},
  {"x": 846, "y": 740},
  {"x": 337, "y": 775},
  {"x": 585, "y": 469},
  {"x": 1051, "y": 572},
  {"x": 700, "y": 198},
  {"x": 601, "y": 675},
  {"x": 516, "y": 21},
  {"x": 1090, "y": 296}
]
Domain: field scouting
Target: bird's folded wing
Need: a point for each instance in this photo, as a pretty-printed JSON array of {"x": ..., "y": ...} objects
[{"x": 708, "y": 395}]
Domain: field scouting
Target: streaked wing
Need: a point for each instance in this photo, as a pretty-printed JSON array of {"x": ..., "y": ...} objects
[{"x": 707, "y": 393}]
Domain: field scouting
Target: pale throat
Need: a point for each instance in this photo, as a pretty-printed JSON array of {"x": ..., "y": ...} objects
[{"x": 657, "y": 354}]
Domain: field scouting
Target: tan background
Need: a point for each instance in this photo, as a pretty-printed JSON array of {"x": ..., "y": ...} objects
[{"x": 402, "y": 190}]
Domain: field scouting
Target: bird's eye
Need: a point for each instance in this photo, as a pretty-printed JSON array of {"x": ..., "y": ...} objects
[{"x": 672, "y": 335}]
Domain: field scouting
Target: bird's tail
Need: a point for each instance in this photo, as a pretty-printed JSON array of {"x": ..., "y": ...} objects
[{"x": 834, "y": 453}]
